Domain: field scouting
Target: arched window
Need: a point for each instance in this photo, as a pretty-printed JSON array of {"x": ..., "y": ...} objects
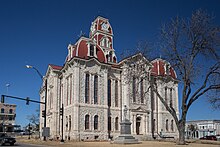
[
  {"x": 134, "y": 89},
  {"x": 171, "y": 126},
  {"x": 171, "y": 98},
  {"x": 95, "y": 89},
  {"x": 109, "y": 92},
  {"x": 87, "y": 89},
  {"x": 105, "y": 42},
  {"x": 116, "y": 93},
  {"x": 2, "y": 110},
  {"x": 70, "y": 89},
  {"x": 87, "y": 122},
  {"x": 96, "y": 120},
  {"x": 10, "y": 111},
  {"x": 70, "y": 122},
  {"x": 142, "y": 90},
  {"x": 114, "y": 59},
  {"x": 116, "y": 123},
  {"x": 67, "y": 91},
  {"x": 166, "y": 95},
  {"x": 110, "y": 57},
  {"x": 106, "y": 57},
  {"x": 154, "y": 125},
  {"x": 167, "y": 127},
  {"x": 109, "y": 123}
]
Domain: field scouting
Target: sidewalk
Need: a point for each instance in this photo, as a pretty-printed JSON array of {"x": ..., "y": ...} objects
[{"x": 108, "y": 144}]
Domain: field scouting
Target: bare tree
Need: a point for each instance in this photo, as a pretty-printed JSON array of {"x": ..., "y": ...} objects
[
  {"x": 192, "y": 128},
  {"x": 34, "y": 119},
  {"x": 214, "y": 99},
  {"x": 192, "y": 47}
]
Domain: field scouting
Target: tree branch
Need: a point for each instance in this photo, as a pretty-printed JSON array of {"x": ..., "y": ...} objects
[
  {"x": 201, "y": 93},
  {"x": 171, "y": 110}
]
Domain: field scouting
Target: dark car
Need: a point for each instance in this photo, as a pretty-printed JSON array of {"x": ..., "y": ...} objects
[
  {"x": 212, "y": 137},
  {"x": 5, "y": 139}
]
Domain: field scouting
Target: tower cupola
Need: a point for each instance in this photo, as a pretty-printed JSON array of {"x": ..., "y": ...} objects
[{"x": 101, "y": 33}]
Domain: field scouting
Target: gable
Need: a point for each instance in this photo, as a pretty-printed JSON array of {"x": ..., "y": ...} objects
[{"x": 139, "y": 109}]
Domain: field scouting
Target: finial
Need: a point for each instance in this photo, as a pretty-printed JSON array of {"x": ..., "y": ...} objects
[{"x": 81, "y": 34}]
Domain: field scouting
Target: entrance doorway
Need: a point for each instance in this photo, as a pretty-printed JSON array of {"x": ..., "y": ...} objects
[{"x": 138, "y": 125}]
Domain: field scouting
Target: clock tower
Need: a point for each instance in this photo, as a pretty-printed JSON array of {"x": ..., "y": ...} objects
[{"x": 101, "y": 34}]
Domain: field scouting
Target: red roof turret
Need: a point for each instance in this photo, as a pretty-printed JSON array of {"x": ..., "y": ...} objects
[{"x": 162, "y": 68}]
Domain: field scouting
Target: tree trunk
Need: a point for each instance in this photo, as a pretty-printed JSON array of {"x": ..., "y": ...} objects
[{"x": 181, "y": 140}]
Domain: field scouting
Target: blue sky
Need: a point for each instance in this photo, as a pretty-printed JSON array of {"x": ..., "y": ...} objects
[{"x": 38, "y": 32}]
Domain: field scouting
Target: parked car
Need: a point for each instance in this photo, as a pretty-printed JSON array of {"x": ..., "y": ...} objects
[
  {"x": 212, "y": 137},
  {"x": 5, "y": 139},
  {"x": 26, "y": 133}
]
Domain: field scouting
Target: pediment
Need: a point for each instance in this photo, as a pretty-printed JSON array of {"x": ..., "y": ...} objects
[
  {"x": 139, "y": 57},
  {"x": 140, "y": 109}
]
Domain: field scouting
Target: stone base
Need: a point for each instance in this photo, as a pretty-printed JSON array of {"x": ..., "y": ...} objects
[{"x": 126, "y": 139}]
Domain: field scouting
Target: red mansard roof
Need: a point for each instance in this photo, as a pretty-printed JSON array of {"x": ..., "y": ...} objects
[
  {"x": 81, "y": 51},
  {"x": 159, "y": 69},
  {"x": 56, "y": 67}
]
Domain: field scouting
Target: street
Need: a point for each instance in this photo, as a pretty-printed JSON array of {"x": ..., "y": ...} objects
[{"x": 25, "y": 145}]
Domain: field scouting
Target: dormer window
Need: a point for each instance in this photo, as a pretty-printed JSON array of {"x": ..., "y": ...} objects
[
  {"x": 91, "y": 50},
  {"x": 114, "y": 59},
  {"x": 110, "y": 57},
  {"x": 167, "y": 69}
]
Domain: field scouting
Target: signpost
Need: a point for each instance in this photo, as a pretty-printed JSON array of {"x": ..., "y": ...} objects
[{"x": 46, "y": 132}]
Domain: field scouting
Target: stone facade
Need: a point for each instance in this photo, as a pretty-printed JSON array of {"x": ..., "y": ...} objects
[
  {"x": 7, "y": 117},
  {"x": 94, "y": 87}
]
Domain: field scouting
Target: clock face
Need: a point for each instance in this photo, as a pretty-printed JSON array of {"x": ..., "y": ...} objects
[{"x": 105, "y": 26}]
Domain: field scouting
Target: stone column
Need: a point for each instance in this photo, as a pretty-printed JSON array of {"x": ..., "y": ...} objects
[
  {"x": 145, "y": 124},
  {"x": 148, "y": 124},
  {"x": 133, "y": 124},
  {"x": 105, "y": 91},
  {"x": 76, "y": 91},
  {"x": 135, "y": 117}
]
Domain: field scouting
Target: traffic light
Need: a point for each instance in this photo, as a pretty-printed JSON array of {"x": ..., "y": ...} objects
[
  {"x": 61, "y": 111},
  {"x": 2, "y": 99},
  {"x": 43, "y": 113},
  {"x": 27, "y": 100}
]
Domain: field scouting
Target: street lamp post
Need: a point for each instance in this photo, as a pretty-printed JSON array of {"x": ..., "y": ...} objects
[
  {"x": 29, "y": 131},
  {"x": 45, "y": 85}
]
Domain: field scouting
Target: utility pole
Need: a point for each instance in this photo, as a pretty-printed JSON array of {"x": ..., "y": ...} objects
[
  {"x": 29, "y": 131},
  {"x": 45, "y": 107},
  {"x": 45, "y": 103}
]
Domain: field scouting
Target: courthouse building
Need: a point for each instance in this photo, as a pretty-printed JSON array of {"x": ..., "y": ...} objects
[{"x": 94, "y": 88}]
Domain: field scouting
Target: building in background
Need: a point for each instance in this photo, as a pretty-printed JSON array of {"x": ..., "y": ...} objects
[
  {"x": 7, "y": 117},
  {"x": 94, "y": 89},
  {"x": 200, "y": 128}
]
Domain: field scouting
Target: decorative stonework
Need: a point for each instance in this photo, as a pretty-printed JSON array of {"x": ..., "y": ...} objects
[{"x": 78, "y": 64}]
